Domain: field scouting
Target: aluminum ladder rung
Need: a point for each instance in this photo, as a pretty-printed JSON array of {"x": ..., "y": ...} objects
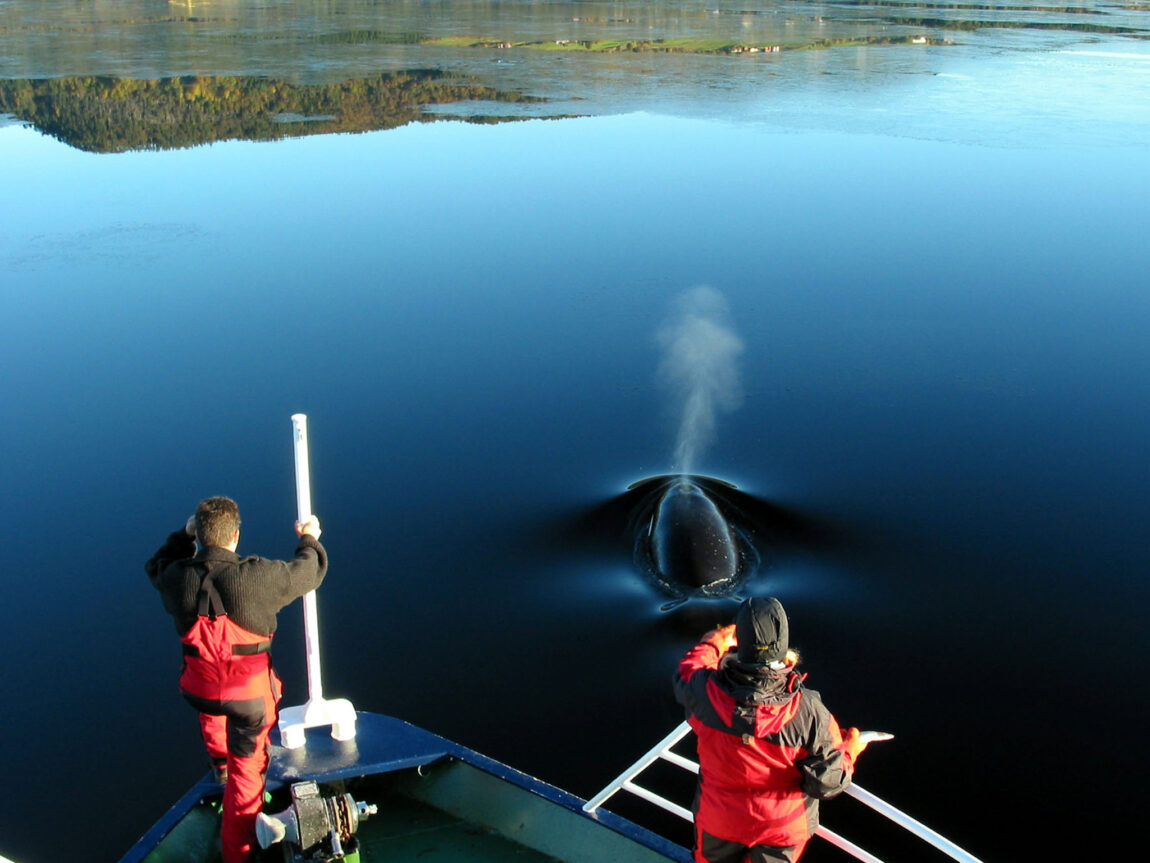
[{"x": 662, "y": 802}]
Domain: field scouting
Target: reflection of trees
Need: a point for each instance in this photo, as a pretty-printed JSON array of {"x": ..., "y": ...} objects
[{"x": 108, "y": 115}]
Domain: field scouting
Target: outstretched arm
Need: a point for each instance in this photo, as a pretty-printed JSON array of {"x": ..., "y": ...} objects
[
  {"x": 179, "y": 546},
  {"x": 827, "y": 771},
  {"x": 304, "y": 572},
  {"x": 708, "y": 652},
  {"x": 704, "y": 655}
]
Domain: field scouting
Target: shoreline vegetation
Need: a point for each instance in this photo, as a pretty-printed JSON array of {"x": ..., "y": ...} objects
[
  {"x": 1048, "y": 20},
  {"x": 100, "y": 114},
  {"x": 106, "y": 114},
  {"x": 685, "y": 45}
]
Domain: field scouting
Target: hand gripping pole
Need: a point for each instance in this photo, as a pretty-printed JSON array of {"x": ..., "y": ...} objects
[{"x": 339, "y": 713}]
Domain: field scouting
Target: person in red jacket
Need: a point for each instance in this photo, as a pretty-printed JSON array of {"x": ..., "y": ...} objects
[
  {"x": 224, "y": 607},
  {"x": 769, "y": 749}
]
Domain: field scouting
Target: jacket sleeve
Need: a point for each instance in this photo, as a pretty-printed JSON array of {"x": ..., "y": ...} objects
[
  {"x": 704, "y": 655},
  {"x": 826, "y": 771},
  {"x": 303, "y": 573},
  {"x": 179, "y": 546}
]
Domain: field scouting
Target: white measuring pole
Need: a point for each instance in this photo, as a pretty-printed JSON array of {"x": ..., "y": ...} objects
[{"x": 318, "y": 711}]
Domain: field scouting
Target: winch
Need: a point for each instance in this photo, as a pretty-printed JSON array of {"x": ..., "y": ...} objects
[{"x": 315, "y": 828}]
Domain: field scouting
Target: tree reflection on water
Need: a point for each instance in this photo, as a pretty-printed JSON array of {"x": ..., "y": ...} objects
[{"x": 113, "y": 115}]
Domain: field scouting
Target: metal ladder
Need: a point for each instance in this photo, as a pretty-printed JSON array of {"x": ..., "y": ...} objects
[{"x": 662, "y": 750}]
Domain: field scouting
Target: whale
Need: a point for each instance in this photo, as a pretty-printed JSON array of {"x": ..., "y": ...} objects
[
  {"x": 690, "y": 536},
  {"x": 688, "y": 544}
]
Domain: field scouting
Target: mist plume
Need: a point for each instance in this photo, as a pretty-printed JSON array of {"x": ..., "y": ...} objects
[{"x": 700, "y": 366}]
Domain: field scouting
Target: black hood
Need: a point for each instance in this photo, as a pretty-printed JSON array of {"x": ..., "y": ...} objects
[
  {"x": 758, "y": 684},
  {"x": 761, "y": 631}
]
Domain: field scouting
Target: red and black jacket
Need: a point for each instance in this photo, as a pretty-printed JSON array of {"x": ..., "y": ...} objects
[{"x": 767, "y": 754}]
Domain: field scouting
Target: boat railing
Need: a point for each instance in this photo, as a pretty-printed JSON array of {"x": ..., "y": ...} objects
[{"x": 662, "y": 751}]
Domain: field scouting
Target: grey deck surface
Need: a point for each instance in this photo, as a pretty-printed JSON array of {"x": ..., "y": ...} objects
[{"x": 407, "y": 831}]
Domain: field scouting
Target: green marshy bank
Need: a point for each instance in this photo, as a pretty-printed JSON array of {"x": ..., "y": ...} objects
[{"x": 619, "y": 46}]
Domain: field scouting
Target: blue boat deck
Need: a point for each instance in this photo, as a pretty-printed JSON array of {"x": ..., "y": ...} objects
[
  {"x": 382, "y": 744},
  {"x": 438, "y": 801}
]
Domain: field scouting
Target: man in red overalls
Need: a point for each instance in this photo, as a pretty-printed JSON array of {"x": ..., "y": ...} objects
[{"x": 224, "y": 607}]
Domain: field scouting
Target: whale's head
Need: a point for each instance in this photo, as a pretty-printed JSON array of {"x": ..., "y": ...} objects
[
  {"x": 696, "y": 536},
  {"x": 691, "y": 544},
  {"x": 688, "y": 539}
]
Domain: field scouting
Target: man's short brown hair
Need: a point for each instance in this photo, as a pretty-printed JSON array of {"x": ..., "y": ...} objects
[{"x": 217, "y": 520}]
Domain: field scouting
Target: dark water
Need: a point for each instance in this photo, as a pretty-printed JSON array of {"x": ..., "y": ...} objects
[{"x": 935, "y": 263}]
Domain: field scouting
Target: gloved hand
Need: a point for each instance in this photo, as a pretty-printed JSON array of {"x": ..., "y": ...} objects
[
  {"x": 723, "y": 638},
  {"x": 853, "y": 743}
]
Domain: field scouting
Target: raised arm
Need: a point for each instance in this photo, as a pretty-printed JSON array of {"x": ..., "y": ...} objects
[{"x": 179, "y": 546}]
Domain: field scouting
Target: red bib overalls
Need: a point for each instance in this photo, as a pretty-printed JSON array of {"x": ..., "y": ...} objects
[{"x": 228, "y": 678}]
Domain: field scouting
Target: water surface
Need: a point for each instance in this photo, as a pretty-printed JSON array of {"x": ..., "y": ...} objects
[{"x": 933, "y": 256}]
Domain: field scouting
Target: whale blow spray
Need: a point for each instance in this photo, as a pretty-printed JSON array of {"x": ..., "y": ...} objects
[{"x": 700, "y": 366}]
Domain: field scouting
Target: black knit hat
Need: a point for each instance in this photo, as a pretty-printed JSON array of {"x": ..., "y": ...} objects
[{"x": 761, "y": 631}]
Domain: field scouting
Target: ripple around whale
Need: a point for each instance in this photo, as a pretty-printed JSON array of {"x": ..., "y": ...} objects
[
  {"x": 693, "y": 536},
  {"x": 689, "y": 540}
]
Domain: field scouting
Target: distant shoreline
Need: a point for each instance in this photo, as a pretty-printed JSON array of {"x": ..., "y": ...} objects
[{"x": 636, "y": 46}]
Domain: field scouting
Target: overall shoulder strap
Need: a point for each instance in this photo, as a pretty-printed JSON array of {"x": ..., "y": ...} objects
[{"x": 211, "y": 605}]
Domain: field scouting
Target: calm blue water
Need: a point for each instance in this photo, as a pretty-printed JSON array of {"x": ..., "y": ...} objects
[{"x": 936, "y": 265}]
